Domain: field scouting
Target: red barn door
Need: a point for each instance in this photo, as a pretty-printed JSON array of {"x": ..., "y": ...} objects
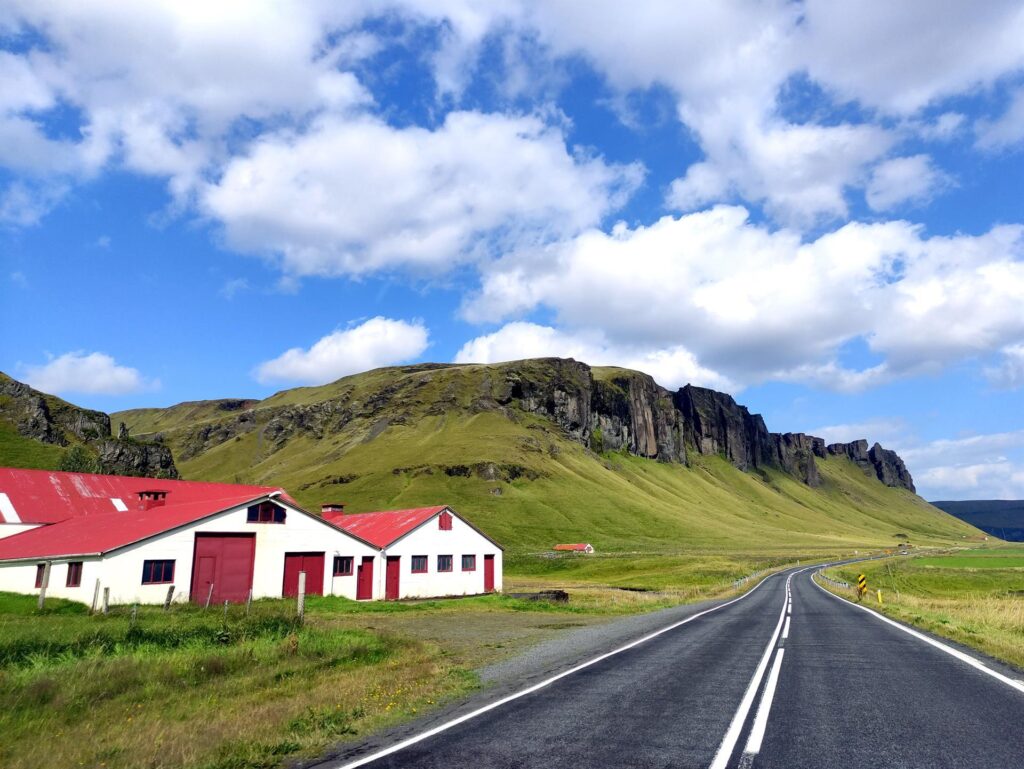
[
  {"x": 364, "y": 579},
  {"x": 224, "y": 561},
  {"x": 488, "y": 573},
  {"x": 312, "y": 564},
  {"x": 391, "y": 584}
]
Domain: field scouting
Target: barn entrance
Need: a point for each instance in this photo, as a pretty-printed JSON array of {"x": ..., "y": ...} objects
[
  {"x": 312, "y": 564},
  {"x": 488, "y": 573},
  {"x": 364, "y": 579},
  {"x": 391, "y": 584},
  {"x": 222, "y": 567}
]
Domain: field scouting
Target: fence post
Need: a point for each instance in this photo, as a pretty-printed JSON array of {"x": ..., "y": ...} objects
[
  {"x": 135, "y": 615},
  {"x": 95, "y": 597},
  {"x": 301, "y": 607},
  {"x": 43, "y": 584},
  {"x": 169, "y": 598},
  {"x": 248, "y": 602},
  {"x": 106, "y": 600},
  {"x": 225, "y": 611},
  {"x": 209, "y": 597}
]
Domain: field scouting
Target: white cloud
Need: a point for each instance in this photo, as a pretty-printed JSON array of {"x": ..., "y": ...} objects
[
  {"x": 372, "y": 344},
  {"x": 754, "y": 304},
  {"x": 1009, "y": 374},
  {"x": 1005, "y": 131},
  {"x": 898, "y": 181},
  {"x": 79, "y": 372},
  {"x": 671, "y": 367},
  {"x": 355, "y": 195},
  {"x": 890, "y": 432},
  {"x": 977, "y": 467}
]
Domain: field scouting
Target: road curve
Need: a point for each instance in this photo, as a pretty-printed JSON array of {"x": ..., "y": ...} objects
[{"x": 789, "y": 676}]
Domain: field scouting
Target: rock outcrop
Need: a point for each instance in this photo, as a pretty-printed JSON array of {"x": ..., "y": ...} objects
[
  {"x": 884, "y": 464},
  {"x": 49, "y": 419},
  {"x": 716, "y": 424},
  {"x": 795, "y": 453}
]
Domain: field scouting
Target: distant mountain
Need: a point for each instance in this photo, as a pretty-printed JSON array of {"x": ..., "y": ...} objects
[
  {"x": 551, "y": 450},
  {"x": 42, "y": 431},
  {"x": 1003, "y": 518}
]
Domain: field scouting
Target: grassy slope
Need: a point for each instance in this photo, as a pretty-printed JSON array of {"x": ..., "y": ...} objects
[
  {"x": 19, "y": 451},
  {"x": 615, "y": 501}
]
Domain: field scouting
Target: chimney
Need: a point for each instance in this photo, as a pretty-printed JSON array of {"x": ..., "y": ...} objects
[
  {"x": 332, "y": 507},
  {"x": 152, "y": 498}
]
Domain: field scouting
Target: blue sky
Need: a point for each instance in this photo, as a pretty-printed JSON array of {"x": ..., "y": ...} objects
[{"x": 814, "y": 207}]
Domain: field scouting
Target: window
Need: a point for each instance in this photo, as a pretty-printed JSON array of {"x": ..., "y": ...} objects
[
  {"x": 157, "y": 572},
  {"x": 40, "y": 570},
  {"x": 444, "y": 563},
  {"x": 342, "y": 566},
  {"x": 444, "y": 521},
  {"x": 419, "y": 564},
  {"x": 469, "y": 563},
  {"x": 266, "y": 512},
  {"x": 74, "y": 574}
]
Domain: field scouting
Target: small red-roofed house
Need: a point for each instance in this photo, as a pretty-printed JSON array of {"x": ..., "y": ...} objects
[{"x": 580, "y": 547}]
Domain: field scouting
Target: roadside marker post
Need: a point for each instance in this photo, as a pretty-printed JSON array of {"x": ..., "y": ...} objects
[
  {"x": 301, "y": 603},
  {"x": 862, "y": 585}
]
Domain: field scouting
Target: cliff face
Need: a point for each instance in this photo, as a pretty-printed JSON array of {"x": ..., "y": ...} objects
[
  {"x": 884, "y": 464},
  {"x": 51, "y": 420}
]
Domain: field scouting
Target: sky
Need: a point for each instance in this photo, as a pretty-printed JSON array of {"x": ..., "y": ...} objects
[{"x": 815, "y": 206}]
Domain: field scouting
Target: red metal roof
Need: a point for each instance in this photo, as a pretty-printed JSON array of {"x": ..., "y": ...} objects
[
  {"x": 102, "y": 532},
  {"x": 45, "y": 496},
  {"x": 576, "y": 546},
  {"x": 383, "y": 527}
]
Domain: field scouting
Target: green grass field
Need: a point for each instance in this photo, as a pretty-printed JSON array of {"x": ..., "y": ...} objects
[{"x": 975, "y": 597}]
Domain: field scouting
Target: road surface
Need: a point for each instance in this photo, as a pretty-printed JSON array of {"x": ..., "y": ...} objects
[{"x": 788, "y": 676}]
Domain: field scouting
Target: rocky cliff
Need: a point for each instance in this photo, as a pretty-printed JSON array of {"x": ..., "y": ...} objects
[
  {"x": 47, "y": 419},
  {"x": 884, "y": 464}
]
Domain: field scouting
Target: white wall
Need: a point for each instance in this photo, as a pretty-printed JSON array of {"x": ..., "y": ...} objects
[
  {"x": 122, "y": 571},
  {"x": 430, "y": 541}
]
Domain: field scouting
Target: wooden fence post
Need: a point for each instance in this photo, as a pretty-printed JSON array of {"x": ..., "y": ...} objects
[
  {"x": 302, "y": 596},
  {"x": 106, "y": 600},
  {"x": 248, "y": 602},
  {"x": 169, "y": 598},
  {"x": 225, "y": 612},
  {"x": 43, "y": 584},
  {"x": 135, "y": 615},
  {"x": 95, "y": 597},
  {"x": 209, "y": 596}
]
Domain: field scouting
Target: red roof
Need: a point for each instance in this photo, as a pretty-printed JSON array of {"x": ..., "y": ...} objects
[
  {"x": 45, "y": 496},
  {"x": 384, "y": 527},
  {"x": 578, "y": 546},
  {"x": 101, "y": 532}
]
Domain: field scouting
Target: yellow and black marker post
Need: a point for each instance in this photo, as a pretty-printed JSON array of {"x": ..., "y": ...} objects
[{"x": 862, "y": 585}]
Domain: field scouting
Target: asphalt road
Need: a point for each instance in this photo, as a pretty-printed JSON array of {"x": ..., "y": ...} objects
[{"x": 788, "y": 677}]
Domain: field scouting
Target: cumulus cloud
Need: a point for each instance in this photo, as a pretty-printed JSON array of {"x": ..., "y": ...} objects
[
  {"x": 418, "y": 198},
  {"x": 898, "y": 181},
  {"x": 672, "y": 366},
  {"x": 1009, "y": 374},
  {"x": 989, "y": 466},
  {"x": 79, "y": 372},
  {"x": 374, "y": 343},
  {"x": 1006, "y": 130},
  {"x": 756, "y": 304}
]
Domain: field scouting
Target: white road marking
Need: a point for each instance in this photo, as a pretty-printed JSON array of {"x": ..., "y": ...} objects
[
  {"x": 785, "y": 630},
  {"x": 547, "y": 682},
  {"x": 764, "y": 709},
  {"x": 1011, "y": 682},
  {"x": 732, "y": 735},
  {"x": 7, "y": 511}
]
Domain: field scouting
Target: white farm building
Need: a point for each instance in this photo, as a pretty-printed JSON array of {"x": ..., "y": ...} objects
[{"x": 213, "y": 542}]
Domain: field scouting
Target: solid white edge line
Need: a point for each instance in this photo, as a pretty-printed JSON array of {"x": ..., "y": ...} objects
[
  {"x": 547, "y": 682},
  {"x": 757, "y": 731},
  {"x": 1011, "y": 682},
  {"x": 732, "y": 734}
]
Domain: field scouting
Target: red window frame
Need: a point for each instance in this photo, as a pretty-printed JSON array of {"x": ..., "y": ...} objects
[
  {"x": 158, "y": 571},
  {"x": 441, "y": 564},
  {"x": 420, "y": 564},
  {"x": 340, "y": 564},
  {"x": 74, "y": 574},
  {"x": 471, "y": 563},
  {"x": 266, "y": 512},
  {"x": 40, "y": 570}
]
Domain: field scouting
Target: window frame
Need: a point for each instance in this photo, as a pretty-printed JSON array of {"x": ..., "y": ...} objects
[
  {"x": 148, "y": 571},
  {"x": 472, "y": 566},
  {"x": 74, "y": 578},
  {"x": 451, "y": 563},
  {"x": 255, "y": 513},
  {"x": 424, "y": 559},
  {"x": 40, "y": 571},
  {"x": 340, "y": 560}
]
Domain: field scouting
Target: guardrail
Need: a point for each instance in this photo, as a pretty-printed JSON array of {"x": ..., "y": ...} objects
[
  {"x": 746, "y": 579},
  {"x": 834, "y": 582}
]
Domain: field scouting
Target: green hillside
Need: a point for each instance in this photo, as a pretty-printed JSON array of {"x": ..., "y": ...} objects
[{"x": 423, "y": 435}]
